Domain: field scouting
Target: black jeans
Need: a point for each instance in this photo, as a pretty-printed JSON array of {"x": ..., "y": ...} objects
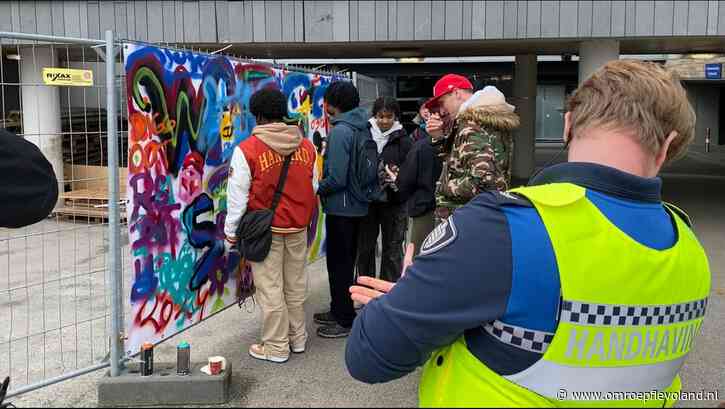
[
  {"x": 342, "y": 234},
  {"x": 392, "y": 220}
]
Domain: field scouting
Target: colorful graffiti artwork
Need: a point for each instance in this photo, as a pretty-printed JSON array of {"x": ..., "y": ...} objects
[{"x": 187, "y": 112}]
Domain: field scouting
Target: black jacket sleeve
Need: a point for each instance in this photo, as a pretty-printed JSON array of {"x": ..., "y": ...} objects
[
  {"x": 406, "y": 146},
  {"x": 408, "y": 177},
  {"x": 406, "y": 143},
  {"x": 29, "y": 185},
  {"x": 397, "y": 155}
]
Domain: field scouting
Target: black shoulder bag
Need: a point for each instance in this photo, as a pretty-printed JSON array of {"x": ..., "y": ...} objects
[{"x": 254, "y": 234}]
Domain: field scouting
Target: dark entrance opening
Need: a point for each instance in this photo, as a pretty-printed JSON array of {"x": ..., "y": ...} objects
[{"x": 721, "y": 137}]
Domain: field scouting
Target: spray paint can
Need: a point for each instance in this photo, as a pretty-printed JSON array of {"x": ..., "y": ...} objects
[
  {"x": 183, "y": 358},
  {"x": 147, "y": 359}
]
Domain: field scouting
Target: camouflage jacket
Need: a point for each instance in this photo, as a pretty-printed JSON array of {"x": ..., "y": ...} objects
[{"x": 479, "y": 157}]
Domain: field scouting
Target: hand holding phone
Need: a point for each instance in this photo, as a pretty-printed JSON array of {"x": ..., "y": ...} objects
[
  {"x": 435, "y": 126},
  {"x": 392, "y": 173}
]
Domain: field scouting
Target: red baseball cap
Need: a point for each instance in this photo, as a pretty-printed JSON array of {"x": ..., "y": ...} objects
[{"x": 447, "y": 84}]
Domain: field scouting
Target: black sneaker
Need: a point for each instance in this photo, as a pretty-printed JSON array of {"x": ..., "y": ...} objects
[
  {"x": 324, "y": 318},
  {"x": 333, "y": 331}
]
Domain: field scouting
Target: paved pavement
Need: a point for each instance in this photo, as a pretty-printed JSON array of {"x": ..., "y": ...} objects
[{"x": 319, "y": 378}]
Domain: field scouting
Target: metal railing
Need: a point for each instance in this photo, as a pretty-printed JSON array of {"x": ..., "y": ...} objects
[{"x": 61, "y": 298}]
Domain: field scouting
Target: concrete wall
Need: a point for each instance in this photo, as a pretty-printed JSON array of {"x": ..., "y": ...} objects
[
  {"x": 41, "y": 108},
  {"x": 221, "y": 21}
]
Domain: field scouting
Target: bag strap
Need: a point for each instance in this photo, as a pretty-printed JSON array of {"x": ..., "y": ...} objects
[{"x": 280, "y": 183}]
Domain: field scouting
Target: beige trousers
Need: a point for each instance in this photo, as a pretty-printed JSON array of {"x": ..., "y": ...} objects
[{"x": 281, "y": 285}]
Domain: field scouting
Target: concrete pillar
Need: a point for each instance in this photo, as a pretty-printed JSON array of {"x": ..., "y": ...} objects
[
  {"x": 524, "y": 94},
  {"x": 41, "y": 106},
  {"x": 593, "y": 54}
]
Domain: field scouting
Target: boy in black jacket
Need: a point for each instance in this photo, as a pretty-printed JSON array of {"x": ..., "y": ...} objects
[
  {"x": 387, "y": 214},
  {"x": 416, "y": 184}
]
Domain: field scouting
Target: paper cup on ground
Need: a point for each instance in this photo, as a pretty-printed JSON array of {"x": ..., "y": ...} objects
[{"x": 217, "y": 365}]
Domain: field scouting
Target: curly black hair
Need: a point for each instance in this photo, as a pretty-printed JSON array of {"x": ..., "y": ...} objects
[
  {"x": 269, "y": 104},
  {"x": 386, "y": 104},
  {"x": 342, "y": 95},
  {"x": 317, "y": 141}
]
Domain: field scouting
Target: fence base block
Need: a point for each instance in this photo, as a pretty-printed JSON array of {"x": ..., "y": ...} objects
[{"x": 164, "y": 387}]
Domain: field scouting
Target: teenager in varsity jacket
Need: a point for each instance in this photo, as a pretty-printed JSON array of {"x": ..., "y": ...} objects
[{"x": 253, "y": 175}]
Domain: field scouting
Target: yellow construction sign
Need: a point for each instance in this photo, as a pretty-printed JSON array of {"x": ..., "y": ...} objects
[{"x": 67, "y": 77}]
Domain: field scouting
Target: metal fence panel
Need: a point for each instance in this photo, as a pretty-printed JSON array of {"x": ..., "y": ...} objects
[
  {"x": 55, "y": 284},
  {"x": 372, "y": 88}
]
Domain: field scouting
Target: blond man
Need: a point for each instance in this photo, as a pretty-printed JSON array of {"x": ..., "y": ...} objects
[{"x": 580, "y": 288}]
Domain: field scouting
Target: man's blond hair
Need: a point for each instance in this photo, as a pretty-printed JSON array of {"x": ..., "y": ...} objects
[{"x": 640, "y": 97}]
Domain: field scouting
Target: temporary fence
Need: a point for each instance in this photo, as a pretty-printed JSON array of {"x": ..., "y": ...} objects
[
  {"x": 372, "y": 88},
  {"x": 61, "y": 291},
  {"x": 68, "y": 285}
]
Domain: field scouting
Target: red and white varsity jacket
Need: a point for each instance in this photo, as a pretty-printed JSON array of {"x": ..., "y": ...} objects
[{"x": 254, "y": 172}]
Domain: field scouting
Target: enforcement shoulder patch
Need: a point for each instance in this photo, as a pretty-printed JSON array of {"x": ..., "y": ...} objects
[
  {"x": 510, "y": 198},
  {"x": 443, "y": 235}
]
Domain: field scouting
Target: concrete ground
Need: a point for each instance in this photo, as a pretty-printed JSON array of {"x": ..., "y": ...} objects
[
  {"x": 316, "y": 378},
  {"x": 52, "y": 276}
]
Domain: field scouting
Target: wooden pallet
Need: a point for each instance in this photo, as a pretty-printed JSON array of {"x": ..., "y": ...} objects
[
  {"x": 92, "y": 177},
  {"x": 86, "y": 214},
  {"x": 88, "y": 197},
  {"x": 90, "y": 204}
]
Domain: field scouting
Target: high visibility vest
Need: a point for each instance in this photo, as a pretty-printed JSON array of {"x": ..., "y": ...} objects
[{"x": 628, "y": 317}]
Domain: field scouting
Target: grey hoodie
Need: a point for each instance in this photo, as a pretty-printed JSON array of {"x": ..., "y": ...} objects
[{"x": 340, "y": 197}]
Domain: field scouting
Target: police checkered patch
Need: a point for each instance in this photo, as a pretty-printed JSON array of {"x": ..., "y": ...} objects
[
  {"x": 631, "y": 315},
  {"x": 443, "y": 235},
  {"x": 523, "y": 338}
]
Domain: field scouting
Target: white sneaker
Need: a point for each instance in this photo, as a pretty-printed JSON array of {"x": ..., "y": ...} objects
[
  {"x": 297, "y": 349},
  {"x": 257, "y": 351}
]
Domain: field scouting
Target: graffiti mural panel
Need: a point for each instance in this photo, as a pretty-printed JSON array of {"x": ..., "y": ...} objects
[{"x": 187, "y": 113}]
